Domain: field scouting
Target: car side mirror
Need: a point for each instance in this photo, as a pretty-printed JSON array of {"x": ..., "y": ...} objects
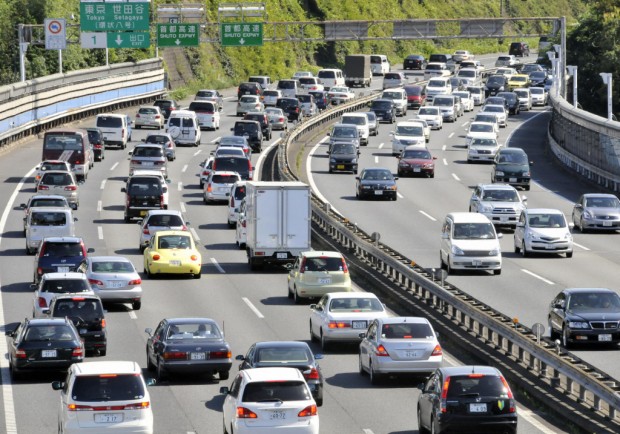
[
  {"x": 75, "y": 219},
  {"x": 524, "y": 199},
  {"x": 22, "y": 206},
  {"x": 123, "y": 190},
  {"x": 10, "y": 333},
  {"x": 148, "y": 331},
  {"x": 90, "y": 250},
  {"x": 362, "y": 335},
  {"x": 313, "y": 307},
  {"x": 165, "y": 189},
  {"x": 396, "y": 178},
  {"x": 500, "y": 235},
  {"x": 45, "y": 311},
  {"x": 558, "y": 305},
  {"x": 240, "y": 357},
  {"x": 520, "y": 224},
  {"x": 420, "y": 386},
  {"x": 74, "y": 206},
  {"x": 147, "y": 243},
  {"x": 357, "y": 177},
  {"x": 224, "y": 390},
  {"x": 58, "y": 385}
]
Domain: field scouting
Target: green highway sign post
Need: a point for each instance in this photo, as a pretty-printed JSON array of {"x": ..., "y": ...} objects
[
  {"x": 114, "y": 16},
  {"x": 178, "y": 35},
  {"x": 241, "y": 34}
]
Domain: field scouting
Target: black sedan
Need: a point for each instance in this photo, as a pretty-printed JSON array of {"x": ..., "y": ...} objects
[
  {"x": 414, "y": 61},
  {"x": 291, "y": 354},
  {"x": 343, "y": 157},
  {"x": 51, "y": 344},
  {"x": 376, "y": 182},
  {"x": 585, "y": 315},
  {"x": 188, "y": 345}
]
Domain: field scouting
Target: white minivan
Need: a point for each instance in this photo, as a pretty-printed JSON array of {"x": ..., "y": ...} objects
[
  {"x": 469, "y": 242},
  {"x": 379, "y": 64},
  {"x": 184, "y": 128},
  {"x": 115, "y": 130},
  {"x": 48, "y": 221},
  {"x": 331, "y": 78}
]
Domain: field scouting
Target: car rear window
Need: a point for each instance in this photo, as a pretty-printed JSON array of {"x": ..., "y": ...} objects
[
  {"x": 344, "y": 132},
  {"x": 47, "y": 202},
  {"x": 48, "y": 219},
  {"x": 356, "y": 120},
  {"x": 224, "y": 179},
  {"x": 62, "y": 249},
  {"x": 392, "y": 76},
  {"x": 246, "y": 127},
  {"x": 287, "y": 102},
  {"x": 112, "y": 267},
  {"x": 286, "y": 84},
  {"x": 355, "y": 305},
  {"x": 148, "y": 111},
  {"x": 407, "y": 331},
  {"x": 476, "y": 385},
  {"x": 323, "y": 264},
  {"x": 148, "y": 151},
  {"x": 106, "y": 388},
  {"x": 157, "y": 138},
  {"x": 327, "y": 74},
  {"x": 197, "y": 106},
  {"x": 304, "y": 98},
  {"x": 94, "y": 136},
  {"x": 87, "y": 309},
  {"x": 183, "y": 122},
  {"x": 64, "y": 286},
  {"x": 47, "y": 333},
  {"x": 240, "y": 192},
  {"x": 271, "y": 93},
  {"x": 56, "y": 179},
  {"x": 238, "y": 165},
  {"x": 282, "y": 355},
  {"x": 271, "y": 391},
  {"x": 109, "y": 122},
  {"x": 163, "y": 104},
  {"x": 164, "y": 220}
]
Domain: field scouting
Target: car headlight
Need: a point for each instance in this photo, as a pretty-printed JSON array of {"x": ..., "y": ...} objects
[
  {"x": 494, "y": 252},
  {"x": 332, "y": 160},
  {"x": 403, "y": 164},
  {"x": 501, "y": 89},
  {"x": 499, "y": 173},
  {"x": 526, "y": 173},
  {"x": 568, "y": 236},
  {"x": 587, "y": 214},
  {"x": 457, "y": 250},
  {"x": 486, "y": 208},
  {"x": 366, "y": 187},
  {"x": 391, "y": 187},
  {"x": 578, "y": 325},
  {"x": 354, "y": 160}
]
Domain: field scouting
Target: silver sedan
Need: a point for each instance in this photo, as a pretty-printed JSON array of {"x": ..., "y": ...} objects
[
  {"x": 399, "y": 345},
  {"x": 277, "y": 118},
  {"x": 114, "y": 279},
  {"x": 597, "y": 211}
]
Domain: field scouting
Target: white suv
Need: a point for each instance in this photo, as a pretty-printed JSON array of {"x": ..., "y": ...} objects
[
  {"x": 100, "y": 395},
  {"x": 269, "y": 400}
]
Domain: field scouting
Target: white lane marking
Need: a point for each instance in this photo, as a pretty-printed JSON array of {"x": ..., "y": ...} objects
[
  {"x": 10, "y": 423},
  {"x": 456, "y": 177},
  {"x": 99, "y": 206},
  {"x": 430, "y": 217},
  {"x": 251, "y": 306},
  {"x": 215, "y": 140},
  {"x": 113, "y": 166},
  {"x": 180, "y": 186},
  {"x": 464, "y": 124},
  {"x": 445, "y": 162},
  {"x": 100, "y": 232},
  {"x": 376, "y": 159},
  {"x": 217, "y": 265},
  {"x": 451, "y": 135},
  {"x": 184, "y": 168},
  {"x": 132, "y": 314},
  {"x": 381, "y": 145},
  {"x": 580, "y": 246},
  {"x": 443, "y": 148},
  {"x": 367, "y": 431},
  {"x": 532, "y": 418},
  {"x": 311, "y": 178},
  {"x": 198, "y": 152},
  {"x": 103, "y": 184},
  {"x": 183, "y": 210},
  {"x": 400, "y": 195},
  {"x": 261, "y": 157},
  {"x": 194, "y": 234},
  {"x": 537, "y": 276}
]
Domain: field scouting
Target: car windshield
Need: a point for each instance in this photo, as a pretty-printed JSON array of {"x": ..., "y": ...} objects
[
  {"x": 481, "y": 128},
  {"x": 417, "y": 154},
  {"x": 484, "y": 142},
  {"x": 48, "y": 219},
  {"x": 105, "y": 388},
  {"x": 436, "y": 83},
  {"x": 547, "y": 220},
  {"x": 112, "y": 267},
  {"x": 343, "y": 148},
  {"x": 361, "y": 304},
  {"x": 283, "y": 355},
  {"x": 376, "y": 175},
  {"x": 194, "y": 330},
  {"x": 467, "y": 231},
  {"x": 466, "y": 73},
  {"x": 500, "y": 196},
  {"x": 407, "y": 331},
  {"x": 595, "y": 301},
  {"x": 602, "y": 202},
  {"x": 345, "y": 132},
  {"x": 381, "y": 105},
  {"x": 493, "y": 109},
  {"x": 49, "y": 333},
  {"x": 64, "y": 286},
  {"x": 356, "y": 120},
  {"x": 512, "y": 158},
  {"x": 323, "y": 263},
  {"x": 405, "y": 130},
  {"x": 495, "y": 80},
  {"x": 428, "y": 111},
  {"x": 475, "y": 385},
  {"x": 174, "y": 242}
]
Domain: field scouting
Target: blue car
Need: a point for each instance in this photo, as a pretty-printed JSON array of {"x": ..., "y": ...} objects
[{"x": 59, "y": 255}]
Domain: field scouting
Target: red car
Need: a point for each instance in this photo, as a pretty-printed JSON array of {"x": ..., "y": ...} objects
[
  {"x": 416, "y": 161},
  {"x": 416, "y": 96}
]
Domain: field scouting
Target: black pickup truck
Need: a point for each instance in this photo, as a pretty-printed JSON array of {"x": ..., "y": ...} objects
[{"x": 142, "y": 193}]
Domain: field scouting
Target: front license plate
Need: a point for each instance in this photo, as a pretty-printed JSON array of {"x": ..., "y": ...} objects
[
  {"x": 63, "y": 269},
  {"x": 175, "y": 263},
  {"x": 197, "y": 356},
  {"x": 606, "y": 223},
  {"x": 378, "y": 192},
  {"x": 411, "y": 354},
  {"x": 476, "y": 263},
  {"x": 277, "y": 415},
  {"x": 48, "y": 353},
  {"x": 108, "y": 417},
  {"x": 416, "y": 169},
  {"x": 477, "y": 408},
  {"x": 281, "y": 255},
  {"x": 512, "y": 179},
  {"x": 340, "y": 166},
  {"x": 503, "y": 218},
  {"x": 549, "y": 247},
  {"x": 359, "y": 324},
  {"x": 604, "y": 338},
  {"x": 324, "y": 280}
]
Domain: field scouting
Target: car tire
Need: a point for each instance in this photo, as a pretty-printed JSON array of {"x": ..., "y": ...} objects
[
  {"x": 324, "y": 342},
  {"x": 526, "y": 188},
  {"x": 497, "y": 272},
  {"x": 565, "y": 341},
  {"x": 360, "y": 366},
  {"x": 421, "y": 429},
  {"x": 103, "y": 352},
  {"x": 517, "y": 249},
  {"x": 374, "y": 377},
  {"x": 224, "y": 375},
  {"x": 449, "y": 269},
  {"x": 524, "y": 251},
  {"x": 553, "y": 335},
  {"x": 312, "y": 337},
  {"x": 569, "y": 254},
  {"x": 296, "y": 297},
  {"x": 136, "y": 305},
  {"x": 127, "y": 219},
  {"x": 160, "y": 373},
  {"x": 224, "y": 428},
  {"x": 433, "y": 428},
  {"x": 15, "y": 374}
]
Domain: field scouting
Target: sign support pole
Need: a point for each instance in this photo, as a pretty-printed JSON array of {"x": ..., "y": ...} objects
[{"x": 60, "y": 61}]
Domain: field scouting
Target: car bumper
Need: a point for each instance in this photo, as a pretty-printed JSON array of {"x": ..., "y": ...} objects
[
  {"x": 248, "y": 426},
  {"x": 476, "y": 262},
  {"x": 144, "y": 123},
  {"x": 195, "y": 367},
  {"x": 344, "y": 335},
  {"x": 308, "y": 291},
  {"x": 390, "y": 366},
  {"x": 478, "y": 424},
  {"x": 480, "y": 157},
  {"x": 44, "y": 365},
  {"x": 184, "y": 268},
  {"x": 413, "y": 171},
  {"x": 379, "y": 194},
  {"x": 217, "y": 196},
  {"x": 344, "y": 167},
  {"x": 518, "y": 181},
  {"x": 601, "y": 225},
  {"x": 544, "y": 247},
  {"x": 118, "y": 295},
  {"x": 94, "y": 340},
  {"x": 142, "y": 426},
  {"x": 593, "y": 336}
]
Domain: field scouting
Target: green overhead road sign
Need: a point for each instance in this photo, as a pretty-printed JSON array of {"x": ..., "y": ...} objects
[
  {"x": 241, "y": 34},
  {"x": 115, "y": 16},
  {"x": 129, "y": 40},
  {"x": 178, "y": 35}
]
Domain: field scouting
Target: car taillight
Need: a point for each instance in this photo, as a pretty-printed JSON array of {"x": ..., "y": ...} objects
[
  {"x": 157, "y": 117},
  {"x": 123, "y": 132},
  {"x": 137, "y": 115},
  {"x": 339, "y": 324},
  {"x": 83, "y": 247},
  {"x": 512, "y": 408},
  {"x": 146, "y": 230},
  {"x": 220, "y": 355},
  {"x": 206, "y": 172},
  {"x": 135, "y": 282},
  {"x": 20, "y": 354},
  {"x": 71, "y": 188},
  {"x": 78, "y": 161},
  {"x": 77, "y": 352},
  {"x": 381, "y": 351},
  {"x": 184, "y": 228},
  {"x": 242, "y": 223},
  {"x": 345, "y": 268},
  {"x": 437, "y": 351},
  {"x": 302, "y": 266},
  {"x": 156, "y": 257},
  {"x": 194, "y": 257},
  {"x": 138, "y": 406},
  {"x": 39, "y": 269},
  {"x": 312, "y": 374},
  {"x": 281, "y": 119},
  {"x": 42, "y": 302},
  {"x": 244, "y": 413},
  {"x": 308, "y": 411},
  {"x": 209, "y": 188},
  {"x": 102, "y": 322},
  {"x": 98, "y": 146},
  {"x": 169, "y": 145},
  {"x": 42, "y": 187},
  {"x": 159, "y": 163},
  {"x": 134, "y": 162},
  {"x": 175, "y": 355},
  {"x": 444, "y": 395},
  {"x": 95, "y": 282}
]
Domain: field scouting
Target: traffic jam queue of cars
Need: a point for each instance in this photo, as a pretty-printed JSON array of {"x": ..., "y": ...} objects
[{"x": 281, "y": 378}]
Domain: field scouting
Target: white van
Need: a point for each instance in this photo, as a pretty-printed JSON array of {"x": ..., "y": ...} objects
[
  {"x": 399, "y": 96},
  {"x": 437, "y": 86},
  {"x": 184, "y": 128},
  {"x": 48, "y": 221},
  {"x": 379, "y": 64},
  {"x": 469, "y": 242},
  {"x": 115, "y": 130},
  {"x": 331, "y": 78}
]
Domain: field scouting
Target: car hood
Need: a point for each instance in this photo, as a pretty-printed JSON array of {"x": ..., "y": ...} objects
[
  {"x": 588, "y": 315},
  {"x": 344, "y": 156},
  {"x": 409, "y": 138},
  {"x": 496, "y": 204},
  {"x": 549, "y": 232},
  {"x": 483, "y": 148},
  {"x": 603, "y": 211}
]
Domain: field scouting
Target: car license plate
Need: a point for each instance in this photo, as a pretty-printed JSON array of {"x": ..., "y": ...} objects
[
  {"x": 549, "y": 246},
  {"x": 52, "y": 353},
  {"x": 476, "y": 263},
  {"x": 83, "y": 331},
  {"x": 359, "y": 324},
  {"x": 277, "y": 415},
  {"x": 147, "y": 163},
  {"x": 115, "y": 284},
  {"x": 411, "y": 354},
  {"x": 324, "y": 280},
  {"x": 108, "y": 417},
  {"x": 503, "y": 218},
  {"x": 604, "y": 338},
  {"x": 340, "y": 166},
  {"x": 512, "y": 179},
  {"x": 606, "y": 223},
  {"x": 197, "y": 356},
  {"x": 378, "y": 192},
  {"x": 477, "y": 408},
  {"x": 175, "y": 263},
  {"x": 281, "y": 255},
  {"x": 416, "y": 169},
  {"x": 142, "y": 213},
  {"x": 63, "y": 269}
]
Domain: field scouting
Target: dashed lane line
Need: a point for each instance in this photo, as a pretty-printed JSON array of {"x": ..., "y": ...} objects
[
  {"x": 253, "y": 308},
  {"x": 537, "y": 276},
  {"x": 428, "y": 216},
  {"x": 217, "y": 265}
]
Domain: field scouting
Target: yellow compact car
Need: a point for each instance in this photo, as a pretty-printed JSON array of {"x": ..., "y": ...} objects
[
  {"x": 172, "y": 252},
  {"x": 317, "y": 273},
  {"x": 518, "y": 80}
]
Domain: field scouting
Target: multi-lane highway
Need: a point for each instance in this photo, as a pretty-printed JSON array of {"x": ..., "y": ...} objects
[{"x": 254, "y": 306}]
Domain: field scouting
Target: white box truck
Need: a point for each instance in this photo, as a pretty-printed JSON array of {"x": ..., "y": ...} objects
[{"x": 277, "y": 222}]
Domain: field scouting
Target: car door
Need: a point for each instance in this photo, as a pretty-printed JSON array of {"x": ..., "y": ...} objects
[
  {"x": 318, "y": 315},
  {"x": 229, "y": 408},
  {"x": 155, "y": 344},
  {"x": 557, "y": 312},
  {"x": 444, "y": 250},
  {"x": 248, "y": 361},
  {"x": 293, "y": 274},
  {"x": 578, "y": 209},
  {"x": 476, "y": 196},
  {"x": 520, "y": 230},
  {"x": 427, "y": 399},
  {"x": 366, "y": 345}
]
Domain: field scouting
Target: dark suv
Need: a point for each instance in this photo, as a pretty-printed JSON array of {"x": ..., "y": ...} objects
[
  {"x": 249, "y": 88},
  {"x": 291, "y": 107},
  {"x": 59, "y": 255},
  {"x": 384, "y": 110},
  {"x": 252, "y": 130},
  {"x": 241, "y": 165},
  {"x": 86, "y": 312},
  {"x": 512, "y": 100},
  {"x": 167, "y": 106},
  {"x": 520, "y": 49},
  {"x": 95, "y": 136},
  {"x": 262, "y": 119},
  {"x": 142, "y": 193},
  {"x": 512, "y": 166}
]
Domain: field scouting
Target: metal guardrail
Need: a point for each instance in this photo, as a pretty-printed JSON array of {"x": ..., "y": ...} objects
[{"x": 593, "y": 389}]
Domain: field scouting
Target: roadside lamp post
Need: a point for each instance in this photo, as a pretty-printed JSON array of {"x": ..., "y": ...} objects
[
  {"x": 607, "y": 79},
  {"x": 572, "y": 70}
]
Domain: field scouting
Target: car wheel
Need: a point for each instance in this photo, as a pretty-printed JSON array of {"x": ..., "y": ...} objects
[
  {"x": 127, "y": 219},
  {"x": 569, "y": 254},
  {"x": 324, "y": 342},
  {"x": 136, "y": 305},
  {"x": 360, "y": 366},
  {"x": 524, "y": 251},
  {"x": 224, "y": 375},
  {"x": 149, "y": 274},
  {"x": 553, "y": 335},
  {"x": 497, "y": 272},
  {"x": 103, "y": 352},
  {"x": 449, "y": 269},
  {"x": 161, "y": 373},
  {"x": 517, "y": 249},
  {"x": 374, "y": 377},
  {"x": 312, "y": 337},
  {"x": 421, "y": 429},
  {"x": 526, "y": 188},
  {"x": 149, "y": 365},
  {"x": 296, "y": 297},
  {"x": 565, "y": 338}
]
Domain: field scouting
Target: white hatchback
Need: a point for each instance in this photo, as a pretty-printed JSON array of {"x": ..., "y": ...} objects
[
  {"x": 269, "y": 400},
  {"x": 218, "y": 185},
  {"x": 545, "y": 231},
  {"x": 360, "y": 120}
]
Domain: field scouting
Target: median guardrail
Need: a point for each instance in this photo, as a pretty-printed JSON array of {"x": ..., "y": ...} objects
[{"x": 559, "y": 369}]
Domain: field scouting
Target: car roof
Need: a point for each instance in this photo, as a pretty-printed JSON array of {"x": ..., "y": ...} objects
[
  {"x": 468, "y": 217},
  {"x": 352, "y": 294},
  {"x": 588, "y": 290},
  {"x": 107, "y": 259},
  {"x": 497, "y": 186},
  {"x": 62, "y": 240},
  {"x": 512, "y": 151},
  {"x": 281, "y": 344},
  {"x": 404, "y": 319},
  {"x": 356, "y": 115},
  {"x": 106, "y": 367},
  {"x": 147, "y": 172},
  {"x": 188, "y": 320},
  {"x": 319, "y": 253},
  {"x": 542, "y": 211},
  {"x": 224, "y": 172},
  {"x": 391, "y": 101},
  {"x": 268, "y": 374},
  {"x": 72, "y": 275},
  {"x": 50, "y": 209},
  {"x": 600, "y": 195},
  {"x": 409, "y": 123},
  {"x": 47, "y": 321},
  {"x": 467, "y": 370}
]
